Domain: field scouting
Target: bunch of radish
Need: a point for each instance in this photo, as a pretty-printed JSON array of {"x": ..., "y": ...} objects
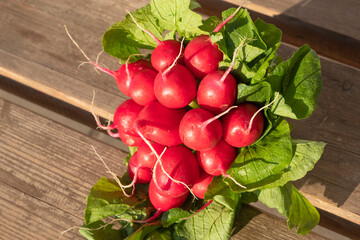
[{"x": 179, "y": 148}]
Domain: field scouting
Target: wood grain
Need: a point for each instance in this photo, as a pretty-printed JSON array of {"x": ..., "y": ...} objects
[
  {"x": 329, "y": 27},
  {"x": 47, "y": 170}
]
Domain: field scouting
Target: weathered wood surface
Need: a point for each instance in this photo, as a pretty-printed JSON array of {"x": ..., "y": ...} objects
[
  {"x": 47, "y": 170},
  {"x": 330, "y": 27}
]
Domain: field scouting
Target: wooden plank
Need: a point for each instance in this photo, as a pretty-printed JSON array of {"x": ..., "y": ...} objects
[
  {"x": 47, "y": 170},
  {"x": 329, "y": 27}
]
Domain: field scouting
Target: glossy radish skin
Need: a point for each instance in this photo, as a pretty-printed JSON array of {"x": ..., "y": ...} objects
[
  {"x": 197, "y": 135},
  {"x": 201, "y": 56},
  {"x": 217, "y": 160},
  {"x": 176, "y": 88},
  {"x": 123, "y": 80},
  {"x": 129, "y": 140},
  {"x": 164, "y": 203},
  {"x": 165, "y": 54},
  {"x": 125, "y": 116},
  {"x": 216, "y": 95},
  {"x": 200, "y": 187},
  {"x": 144, "y": 174},
  {"x": 160, "y": 124},
  {"x": 236, "y": 123},
  {"x": 181, "y": 164},
  {"x": 145, "y": 156},
  {"x": 142, "y": 87}
]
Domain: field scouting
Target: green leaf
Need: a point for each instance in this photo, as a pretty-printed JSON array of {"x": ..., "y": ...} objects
[
  {"x": 259, "y": 93},
  {"x": 299, "y": 82},
  {"x": 125, "y": 38},
  {"x": 249, "y": 197},
  {"x": 106, "y": 199},
  {"x": 100, "y": 230},
  {"x": 264, "y": 161},
  {"x": 234, "y": 31},
  {"x": 293, "y": 205},
  {"x": 210, "y": 24},
  {"x": 144, "y": 230},
  {"x": 213, "y": 222},
  {"x": 271, "y": 35},
  {"x": 220, "y": 192},
  {"x": 306, "y": 154},
  {"x": 160, "y": 234},
  {"x": 173, "y": 215},
  {"x": 176, "y": 14}
]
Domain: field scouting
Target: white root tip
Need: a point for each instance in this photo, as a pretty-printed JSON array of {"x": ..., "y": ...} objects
[
  {"x": 113, "y": 174},
  {"x": 177, "y": 58},
  {"x": 258, "y": 111}
]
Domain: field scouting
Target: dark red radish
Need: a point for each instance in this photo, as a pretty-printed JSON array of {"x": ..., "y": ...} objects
[
  {"x": 200, "y": 130},
  {"x": 160, "y": 124},
  {"x": 176, "y": 171},
  {"x": 163, "y": 203},
  {"x": 166, "y": 51},
  {"x": 217, "y": 93},
  {"x": 217, "y": 160},
  {"x": 137, "y": 171},
  {"x": 145, "y": 154},
  {"x": 124, "y": 74},
  {"x": 201, "y": 56},
  {"x": 236, "y": 125},
  {"x": 142, "y": 87},
  {"x": 200, "y": 187},
  {"x": 175, "y": 87}
]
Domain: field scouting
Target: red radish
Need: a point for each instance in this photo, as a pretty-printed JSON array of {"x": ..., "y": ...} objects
[
  {"x": 145, "y": 154},
  {"x": 200, "y": 130},
  {"x": 124, "y": 118},
  {"x": 176, "y": 87},
  {"x": 166, "y": 51},
  {"x": 181, "y": 165},
  {"x": 201, "y": 55},
  {"x": 124, "y": 74},
  {"x": 163, "y": 203},
  {"x": 236, "y": 125},
  {"x": 165, "y": 54},
  {"x": 217, "y": 91},
  {"x": 160, "y": 124},
  {"x": 137, "y": 172},
  {"x": 128, "y": 139},
  {"x": 142, "y": 87},
  {"x": 217, "y": 160},
  {"x": 200, "y": 187}
]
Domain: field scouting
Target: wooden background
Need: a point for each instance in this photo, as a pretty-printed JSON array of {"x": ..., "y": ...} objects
[{"x": 46, "y": 130}]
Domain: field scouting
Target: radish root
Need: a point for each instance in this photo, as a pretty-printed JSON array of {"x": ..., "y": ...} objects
[
  {"x": 233, "y": 179},
  {"x": 229, "y": 18},
  {"x": 247, "y": 132},
  {"x": 242, "y": 44},
  {"x": 178, "y": 56},
  {"x": 107, "y": 71},
  {"x": 158, "y": 42},
  {"x": 207, "y": 122},
  {"x": 98, "y": 123},
  {"x": 114, "y": 175}
]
